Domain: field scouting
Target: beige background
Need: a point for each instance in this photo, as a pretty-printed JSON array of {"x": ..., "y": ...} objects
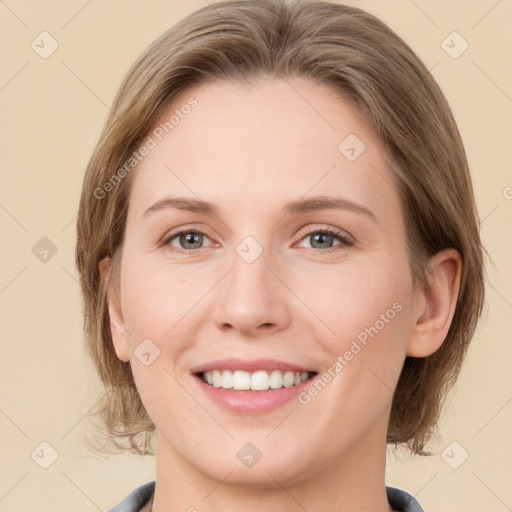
[{"x": 52, "y": 113}]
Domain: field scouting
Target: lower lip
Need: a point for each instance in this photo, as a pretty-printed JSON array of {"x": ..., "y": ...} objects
[{"x": 251, "y": 402}]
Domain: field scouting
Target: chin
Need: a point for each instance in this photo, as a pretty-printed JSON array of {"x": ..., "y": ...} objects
[{"x": 250, "y": 466}]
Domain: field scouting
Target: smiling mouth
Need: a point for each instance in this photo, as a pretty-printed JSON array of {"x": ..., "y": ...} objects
[{"x": 258, "y": 381}]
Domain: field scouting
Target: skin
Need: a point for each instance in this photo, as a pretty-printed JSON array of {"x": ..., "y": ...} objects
[{"x": 249, "y": 150}]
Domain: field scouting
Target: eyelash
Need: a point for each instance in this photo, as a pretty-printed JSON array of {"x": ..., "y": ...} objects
[{"x": 347, "y": 242}]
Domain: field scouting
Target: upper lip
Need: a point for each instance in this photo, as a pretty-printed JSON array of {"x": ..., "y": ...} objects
[{"x": 249, "y": 366}]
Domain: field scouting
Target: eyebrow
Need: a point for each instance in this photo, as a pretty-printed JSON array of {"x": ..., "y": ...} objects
[{"x": 291, "y": 207}]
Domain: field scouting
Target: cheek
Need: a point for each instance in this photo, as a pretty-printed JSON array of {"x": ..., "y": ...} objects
[
  {"x": 368, "y": 312},
  {"x": 352, "y": 296},
  {"x": 364, "y": 325},
  {"x": 157, "y": 312},
  {"x": 155, "y": 298}
]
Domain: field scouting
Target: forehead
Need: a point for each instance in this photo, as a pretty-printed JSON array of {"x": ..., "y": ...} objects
[{"x": 275, "y": 139}]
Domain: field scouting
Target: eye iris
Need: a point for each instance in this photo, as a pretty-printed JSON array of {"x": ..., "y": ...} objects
[
  {"x": 190, "y": 238},
  {"x": 321, "y": 237}
]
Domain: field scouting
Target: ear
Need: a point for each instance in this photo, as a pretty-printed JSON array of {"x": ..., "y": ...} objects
[
  {"x": 434, "y": 308},
  {"x": 117, "y": 328}
]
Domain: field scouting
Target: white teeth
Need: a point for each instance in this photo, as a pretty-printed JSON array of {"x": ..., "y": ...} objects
[
  {"x": 276, "y": 379},
  {"x": 241, "y": 380},
  {"x": 227, "y": 380},
  {"x": 217, "y": 378},
  {"x": 288, "y": 379},
  {"x": 257, "y": 381}
]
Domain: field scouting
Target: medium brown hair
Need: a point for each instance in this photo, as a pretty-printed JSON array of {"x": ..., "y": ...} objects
[{"x": 362, "y": 59}]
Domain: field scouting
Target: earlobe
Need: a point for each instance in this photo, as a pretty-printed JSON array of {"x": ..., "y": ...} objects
[
  {"x": 435, "y": 307},
  {"x": 117, "y": 329}
]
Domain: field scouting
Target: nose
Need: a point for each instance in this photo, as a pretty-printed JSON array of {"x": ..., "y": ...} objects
[{"x": 251, "y": 299}]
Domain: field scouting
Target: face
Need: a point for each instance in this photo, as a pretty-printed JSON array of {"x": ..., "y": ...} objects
[{"x": 283, "y": 286}]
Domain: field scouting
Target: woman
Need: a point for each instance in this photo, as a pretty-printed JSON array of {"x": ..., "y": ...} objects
[{"x": 280, "y": 259}]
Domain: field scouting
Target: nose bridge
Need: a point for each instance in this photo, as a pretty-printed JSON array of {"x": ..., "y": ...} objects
[
  {"x": 250, "y": 272},
  {"x": 251, "y": 295}
]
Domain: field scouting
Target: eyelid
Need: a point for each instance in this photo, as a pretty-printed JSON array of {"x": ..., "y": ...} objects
[
  {"x": 165, "y": 240},
  {"x": 341, "y": 233}
]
